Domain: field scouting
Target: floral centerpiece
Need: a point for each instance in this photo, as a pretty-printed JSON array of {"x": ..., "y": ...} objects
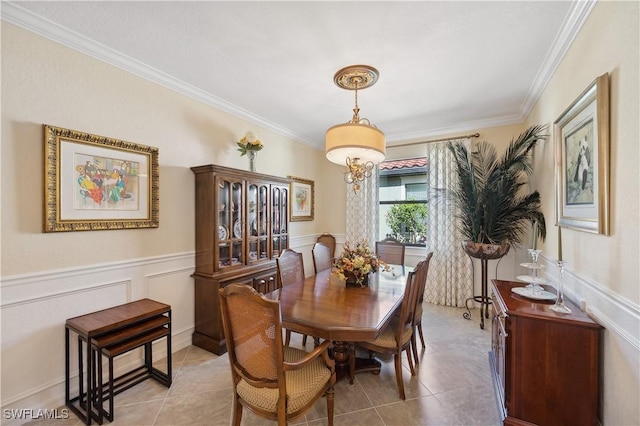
[
  {"x": 249, "y": 145},
  {"x": 355, "y": 264}
]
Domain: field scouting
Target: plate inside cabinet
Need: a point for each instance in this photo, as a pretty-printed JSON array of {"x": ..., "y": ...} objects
[
  {"x": 223, "y": 232},
  {"x": 237, "y": 229}
]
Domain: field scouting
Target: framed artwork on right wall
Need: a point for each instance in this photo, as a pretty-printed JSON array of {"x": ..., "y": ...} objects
[{"x": 581, "y": 136}]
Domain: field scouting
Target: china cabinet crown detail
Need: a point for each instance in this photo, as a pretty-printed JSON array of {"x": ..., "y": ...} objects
[{"x": 242, "y": 225}]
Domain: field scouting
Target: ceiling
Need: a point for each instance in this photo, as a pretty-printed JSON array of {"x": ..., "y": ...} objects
[{"x": 445, "y": 66}]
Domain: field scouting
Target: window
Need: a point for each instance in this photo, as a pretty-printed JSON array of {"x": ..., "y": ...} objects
[{"x": 403, "y": 200}]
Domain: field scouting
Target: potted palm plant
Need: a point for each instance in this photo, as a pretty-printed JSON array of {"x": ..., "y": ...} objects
[{"x": 493, "y": 211}]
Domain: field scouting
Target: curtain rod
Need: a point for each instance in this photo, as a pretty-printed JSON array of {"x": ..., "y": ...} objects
[{"x": 475, "y": 135}]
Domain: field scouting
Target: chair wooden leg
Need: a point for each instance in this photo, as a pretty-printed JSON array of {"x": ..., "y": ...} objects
[
  {"x": 410, "y": 360},
  {"x": 287, "y": 338},
  {"x": 421, "y": 336},
  {"x": 330, "y": 400},
  {"x": 398, "y": 364},
  {"x": 237, "y": 411},
  {"x": 414, "y": 348}
]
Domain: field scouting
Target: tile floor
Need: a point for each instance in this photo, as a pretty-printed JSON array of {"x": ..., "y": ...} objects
[{"x": 452, "y": 386}]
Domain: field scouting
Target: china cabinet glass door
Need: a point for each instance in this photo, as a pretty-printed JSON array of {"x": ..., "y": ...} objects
[
  {"x": 257, "y": 197},
  {"x": 230, "y": 233},
  {"x": 279, "y": 205}
]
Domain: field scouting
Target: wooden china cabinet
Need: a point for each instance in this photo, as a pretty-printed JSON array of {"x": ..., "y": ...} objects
[
  {"x": 242, "y": 225},
  {"x": 545, "y": 365}
]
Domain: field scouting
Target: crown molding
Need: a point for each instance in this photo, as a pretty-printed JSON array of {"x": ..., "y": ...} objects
[
  {"x": 16, "y": 15},
  {"x": 573, "y": 22}
]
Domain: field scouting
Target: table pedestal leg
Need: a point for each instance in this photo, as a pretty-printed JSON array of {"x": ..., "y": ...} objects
[{"x": 347, "y": 364}]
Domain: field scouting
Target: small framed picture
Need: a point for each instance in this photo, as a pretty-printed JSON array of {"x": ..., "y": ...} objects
[
  {"x": 302, "y": 199},
  {"x": 98, "y": 183},
  {"x": 581, "y": 136}
]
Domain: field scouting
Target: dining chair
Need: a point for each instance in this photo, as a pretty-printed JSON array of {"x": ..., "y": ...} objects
[
  {"x": 390, "y": 251},
  {"x": 322, "y": 259},
  {"x": 395, "y": 338},
  {"x": 422, "y": 269},
  {"x": 272, "y": 380},
  {"x": 290, "y": 267},
  {"x": 329, "y": 241}
]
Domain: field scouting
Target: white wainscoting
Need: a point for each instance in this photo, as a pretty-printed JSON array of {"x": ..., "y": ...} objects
[
  {"x": 34, "y": 308},
  {"x": 615, "y": 313}
]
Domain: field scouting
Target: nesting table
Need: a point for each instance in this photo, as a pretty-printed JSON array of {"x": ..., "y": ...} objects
[{"x": 109, "y": 333}]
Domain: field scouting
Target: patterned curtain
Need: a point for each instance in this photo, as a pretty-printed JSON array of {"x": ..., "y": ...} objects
[
  {"x": 450, "y": 280},
  {"x": 362, "y": 212}
]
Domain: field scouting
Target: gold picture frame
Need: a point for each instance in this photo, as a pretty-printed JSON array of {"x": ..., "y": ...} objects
[
  {"x": 302, "y": 199},
  {"x": 98, "y": 183},
  {"x": 581, "y": 136}
]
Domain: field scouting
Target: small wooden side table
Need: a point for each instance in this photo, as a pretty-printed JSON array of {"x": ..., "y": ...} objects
[{"x": 111, "y": 332}]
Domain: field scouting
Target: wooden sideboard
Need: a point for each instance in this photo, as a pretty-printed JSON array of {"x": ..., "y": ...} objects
[
  {"x": 545, "y": 365},
  {"x": 242, "y": 225}
]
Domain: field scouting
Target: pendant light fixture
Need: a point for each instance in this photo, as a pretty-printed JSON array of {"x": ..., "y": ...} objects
[{"x": 358, "y": 143}]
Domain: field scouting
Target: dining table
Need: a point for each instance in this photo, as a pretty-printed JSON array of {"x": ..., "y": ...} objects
[{"x": 324, "y": 306}]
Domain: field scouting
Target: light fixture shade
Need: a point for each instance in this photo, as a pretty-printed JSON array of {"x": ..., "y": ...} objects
[{"x": 354, "y": 141}]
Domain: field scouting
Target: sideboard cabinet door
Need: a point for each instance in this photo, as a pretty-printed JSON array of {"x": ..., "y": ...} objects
[{"x": 545, "y": 365}]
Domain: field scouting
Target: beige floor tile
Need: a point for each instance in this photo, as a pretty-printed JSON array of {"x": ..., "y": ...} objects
[
  {"x": 204, "y": 408},
  {"x": 452, "y": 386},
  {"x": 423, "y": 411},
  {"x": 368, "y": 417},
  {"x": 141, "y": 414}
]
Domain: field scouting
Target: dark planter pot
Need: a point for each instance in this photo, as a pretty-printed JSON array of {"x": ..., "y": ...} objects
[{"x": 485, "y": 251}]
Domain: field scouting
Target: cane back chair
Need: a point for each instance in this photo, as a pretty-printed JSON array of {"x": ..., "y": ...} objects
[
  {"x": 390, "y": 251},
  {"x": 396, "y": 336},
  {"x": 421, "y": 281},
  {"x": 272, "y": 380},
  {"x": 322, "y": 258},
  {"x": 290, "y": 270}
]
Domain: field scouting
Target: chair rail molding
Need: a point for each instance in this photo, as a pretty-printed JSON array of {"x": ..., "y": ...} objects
[
  {"x": 614, "y": 312},
  {"x": 34, "y": 308}
]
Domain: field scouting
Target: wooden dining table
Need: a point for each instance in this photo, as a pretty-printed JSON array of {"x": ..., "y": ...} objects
[{"x": 323, "y": 306}]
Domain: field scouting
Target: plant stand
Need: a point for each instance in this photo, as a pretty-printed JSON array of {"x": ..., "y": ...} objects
[{"x": 484, "y": 252}]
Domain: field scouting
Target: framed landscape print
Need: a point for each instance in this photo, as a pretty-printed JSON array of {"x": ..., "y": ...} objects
[
  {"x": 98, "y": 183},
  {"x": 581, "y": 137},
  {"x": 302, "y": 199}
]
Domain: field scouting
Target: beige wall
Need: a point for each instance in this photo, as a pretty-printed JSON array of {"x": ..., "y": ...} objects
[
  {"x": 45, "y": 276},
  {"x": 43, "y": 82},
  {"x": 607, "y": 43},
  {"x": 608, "y": 265}
]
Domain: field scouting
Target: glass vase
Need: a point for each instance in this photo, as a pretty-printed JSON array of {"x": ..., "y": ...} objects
[
  {"x": 252, "y": 160},
  {"x": 559, "y": 306}
]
